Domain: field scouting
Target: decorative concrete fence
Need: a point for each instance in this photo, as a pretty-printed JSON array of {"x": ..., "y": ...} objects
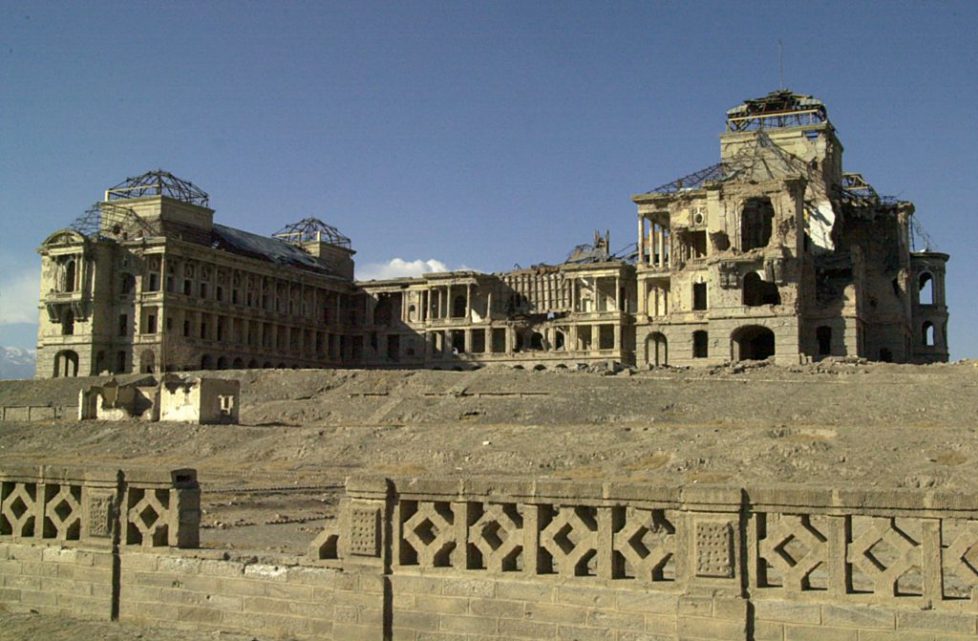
[{"x": 475, "y": 560}]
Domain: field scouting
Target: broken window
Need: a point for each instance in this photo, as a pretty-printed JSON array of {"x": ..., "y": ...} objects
[
  {"x": 68, "y": 323},
  {"x": 928, "y": 334},
  {"x": 536, "y": 341},
  {"x": 154, "y": 282},
  {"x": 478, "y": 341},
  {"x": 123, "y": 324},
  {"x": 699, "y": 296},
  {"x": 458, "y": 341},
  {"x": 150, "y": 324},
  {"x": 754, "y": 343},
  {"x": 393, "y": 347},
  {"x": 382, "y": 311},
  {"x": 695, "y": 244},
  {"x": 559, "y": 340},
  {"x": 606, "y": 337},
  {"x": 925, "y": 289},
  {"x": 120, "y": 362},
  {"x": 759, "y": 292},
  {"x": 886, "y": 356},
  {"x": 498, "y": 340},
  {"x": 458, "y": 306},
  {"x": 701, "y": 344},
  {"x": 69, "y": 283},
  {"x": 584, "y": 337},
  {"x": 756, "y": 222},
  {"x": 128, "y": 283},
  {"x": 823, "y": 335}
]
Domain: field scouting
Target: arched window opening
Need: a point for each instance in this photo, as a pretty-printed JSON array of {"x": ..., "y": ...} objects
[
  {"x": 756, "y": 223},
  {"x": 68, "y": 323},
  {"x": 701, "y": 344},
  {"x": 205, "y": 361},
  {"x": 536, "y": 341},
  {"x": 559, "y": 340},
  {"x": 753, "y": 343},
  {"x": 759, "y": 292},
  {"x": 237, "y": 364},
  {"x": 657, "y": 350},
  {"x": 65, "y": 364},
  {"x": 928, "y": 334},
  {"x": 458, "y": 306},
  {"x": 925, "y": 289},
  {"x": 69, "y": 284},
  {"x": 222, "y": 362},
  {"x": 823, "y": 335},
  {"x": 147, "y": 362}
]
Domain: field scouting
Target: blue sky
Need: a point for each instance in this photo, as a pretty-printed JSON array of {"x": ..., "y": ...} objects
[{"x": 479, "y": 134}]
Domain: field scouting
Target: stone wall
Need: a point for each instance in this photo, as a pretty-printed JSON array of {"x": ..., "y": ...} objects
[
  {"x": 477, "y": 560},
  {"x": 207, "y": 592}
]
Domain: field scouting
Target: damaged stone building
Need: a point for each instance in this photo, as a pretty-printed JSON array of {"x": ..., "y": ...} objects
[{"x": 774, "y": 252}]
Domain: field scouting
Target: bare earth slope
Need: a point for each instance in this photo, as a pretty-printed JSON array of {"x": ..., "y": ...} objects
[{"x": 270, "y": 484}]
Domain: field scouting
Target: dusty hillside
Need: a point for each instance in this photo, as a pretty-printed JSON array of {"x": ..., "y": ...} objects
[{"x": 833, "y": 424}]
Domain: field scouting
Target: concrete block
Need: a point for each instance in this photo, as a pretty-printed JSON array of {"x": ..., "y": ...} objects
[
  {"x": 416, "y": 621},
  {"x": 468, "y": 624},
  {"x": 787, "y": 612},
  {"x": 212, "y": 567},
  {"x": 929, "y": 620},
  {"x": 664, "y": 624},
  {"x": 441, "y": 604},
  {"x": 469, "y": 587},
  {"x": 265, "y": 605},
  {"x": 240, "y": 587},
  {"x": 9, "y": 595},
  {"x": 577, "y": 633},
  {"x": 595, "y": 597},
  {"x": 417, "y": 584},
  {"x": 648, "y": 602},
  {"x": 818, "y": 633},
  {"x": 320, "y": 577},
  {"x": 730, "y": 608},
  {"x": 554, "y": 613},
  {"x": 768, "y": 631},
  {"x": 857, "y": 616},
  {"x": 616, "y": 620},
  {"x": 288, "y": 591},
  {"x": 712, "y": 629},
  {"x": 695, "y": 606},
  {"x": 59, "y": 555},
  {"x": 525, "y": 591},
  {"x": 515, "y": 628},
  {"x": 266, "y": 572}
]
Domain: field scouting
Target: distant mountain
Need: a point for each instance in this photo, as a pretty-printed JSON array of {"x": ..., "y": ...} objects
[{"x": 16, "y": 362}]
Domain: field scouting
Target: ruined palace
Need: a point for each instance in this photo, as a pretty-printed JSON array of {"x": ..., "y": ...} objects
[{"x": 774, "y": 252}]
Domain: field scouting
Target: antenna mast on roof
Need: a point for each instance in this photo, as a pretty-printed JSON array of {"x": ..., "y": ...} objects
[{"x": 780, "y": 64}]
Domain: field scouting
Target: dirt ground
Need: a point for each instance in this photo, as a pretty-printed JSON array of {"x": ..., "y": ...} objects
[{"x": 270, "y": 484}]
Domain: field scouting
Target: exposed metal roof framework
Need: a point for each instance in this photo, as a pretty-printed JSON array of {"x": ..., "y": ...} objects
[
  {"x": 312, "y": 230},
  {"x": 694, "y": 180},
  {"x": 111, "y": 221},
  {"x": 782, "y": 108},
  {"x": 159, "y": 183}
]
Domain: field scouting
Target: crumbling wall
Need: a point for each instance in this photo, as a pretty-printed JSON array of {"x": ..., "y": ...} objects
[{"x": 200, "y": 400}]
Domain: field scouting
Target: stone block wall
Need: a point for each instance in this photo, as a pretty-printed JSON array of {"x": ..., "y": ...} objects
[
  {"x": 56, "y": 580},
  {"x": 206, "y": 592},
  {"x": 477, "y": 560}
]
